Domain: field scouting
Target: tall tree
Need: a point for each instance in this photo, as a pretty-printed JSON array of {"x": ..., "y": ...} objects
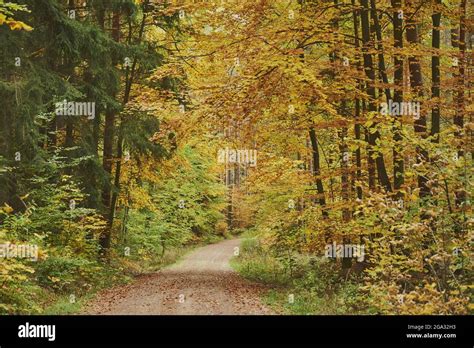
[
  {"x": 107, "y": 154},
  {"x": 435, "y": 71},
  {"x": 357, "y": 105},
  {"x": 373, "y": 134},
  {"x": 129, "y": 79},
  {"x": 416, "y": 84},
  {"x": 398, "y": 163},
  {"x": 460, "y": 94}
]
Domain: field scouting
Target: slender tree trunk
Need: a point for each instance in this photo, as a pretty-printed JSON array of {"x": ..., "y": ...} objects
[
  {"x": 374, "y": 134},
  {"x": 343, "y": 148},
  {"x": 345, "y": 187},
  {"x": 129, "y": 77},
  {"x": 68, "y": 69},
  {"x": 69, "y": 141},
  {"x": 435, "y": 73},
  {"x": 97, "y": 119},
  {"x": 398, "y": 163},
  {"x": 317, "y": 171},
  {"x": 416, "y": 84},
  {"x": 370, "y": 156},
  {"x": 380, "y": 49},
  {"x": 460, "y": 96},
  {"x": 109, "y": 130},
  {"x": 460, "y": 100},
  {"x": 358, "y": 159},
  {"x": 435, "y": 84},
  {"x": 357, "y": 127}
]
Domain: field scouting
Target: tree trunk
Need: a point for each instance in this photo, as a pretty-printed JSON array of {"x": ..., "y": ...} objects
[
  {"x": 380, "y": 50},
  {"x": 128, "y": 87},
  {"x": 69, "y": 141},
  {"x": 435, "y": 72},
  {"x": 374, "y": 135},
  {"x": 317, "y": 171},
  {"x": 97, "y": 119},
  {"x": 398, "y": 163},
  {"x": 357, "y": 128},
  {"x": 416, "y": 84},
  {"x": 460, "y": 102},
  {"x": 460, "y": 96},
  {"x": 109, "y": 130},
  {"x": 357, "y": 154}
]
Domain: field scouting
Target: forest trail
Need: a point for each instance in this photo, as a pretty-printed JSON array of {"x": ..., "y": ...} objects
[{"x": 201, "y": 283}]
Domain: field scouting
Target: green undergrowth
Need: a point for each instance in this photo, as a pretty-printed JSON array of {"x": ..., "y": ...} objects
[{"x": 304, "y": 285}]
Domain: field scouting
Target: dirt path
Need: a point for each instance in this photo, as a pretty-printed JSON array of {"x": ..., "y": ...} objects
[{"x": 202, "y": 283}]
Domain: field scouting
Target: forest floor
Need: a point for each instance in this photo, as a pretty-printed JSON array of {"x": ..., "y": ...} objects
[{"x": 201, "y": 283}]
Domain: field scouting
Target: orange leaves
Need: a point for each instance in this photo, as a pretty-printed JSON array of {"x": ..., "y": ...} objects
[{"x": 171, "y": 70}]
